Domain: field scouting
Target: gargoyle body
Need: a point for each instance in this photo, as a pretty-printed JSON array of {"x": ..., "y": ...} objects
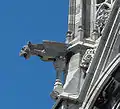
[{"x": 47, "y": 51}]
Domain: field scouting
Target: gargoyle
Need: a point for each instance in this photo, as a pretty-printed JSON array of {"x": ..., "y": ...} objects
[{"x": 48, "y": 51}]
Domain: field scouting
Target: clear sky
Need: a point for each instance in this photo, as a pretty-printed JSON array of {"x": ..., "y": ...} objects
[{"x": 27, "y": 84}]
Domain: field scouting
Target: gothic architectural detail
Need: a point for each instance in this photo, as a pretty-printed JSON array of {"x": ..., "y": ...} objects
[
  {"x": 59, "y": 65},
  {"x": 86, "y": 59},
  {"x": 45, "y": 54},
  {"x": 69, "y": 37},
  {"x": 102, "y": 15},
  {"x": 89, "y": 59}
]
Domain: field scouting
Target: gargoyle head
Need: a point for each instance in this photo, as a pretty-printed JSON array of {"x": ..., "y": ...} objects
[{"x": 25, "y": 52}]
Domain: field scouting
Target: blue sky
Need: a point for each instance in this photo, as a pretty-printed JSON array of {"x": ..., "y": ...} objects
[{"x": 27, "y": 84}]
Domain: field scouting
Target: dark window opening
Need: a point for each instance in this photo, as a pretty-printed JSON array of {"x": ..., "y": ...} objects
[{"x": 100, "y": 1}]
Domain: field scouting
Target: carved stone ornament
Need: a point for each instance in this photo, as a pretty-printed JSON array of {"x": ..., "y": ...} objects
[
  {"x": 102, "y": 16},
  {"x": 86, "y": 59}
]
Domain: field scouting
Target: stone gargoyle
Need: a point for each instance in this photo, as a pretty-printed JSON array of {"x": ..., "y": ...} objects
[{"x": 47, "y": 51}]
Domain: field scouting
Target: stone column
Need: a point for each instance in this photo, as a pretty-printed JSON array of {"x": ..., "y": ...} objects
[
  {"x": 93, "y": 19},
  {"x": 79, "y": 20},
  {"x": 58, "y": 86},
  {"x": 71, "y": 16},
  {"x": 59, "y": 66}
]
